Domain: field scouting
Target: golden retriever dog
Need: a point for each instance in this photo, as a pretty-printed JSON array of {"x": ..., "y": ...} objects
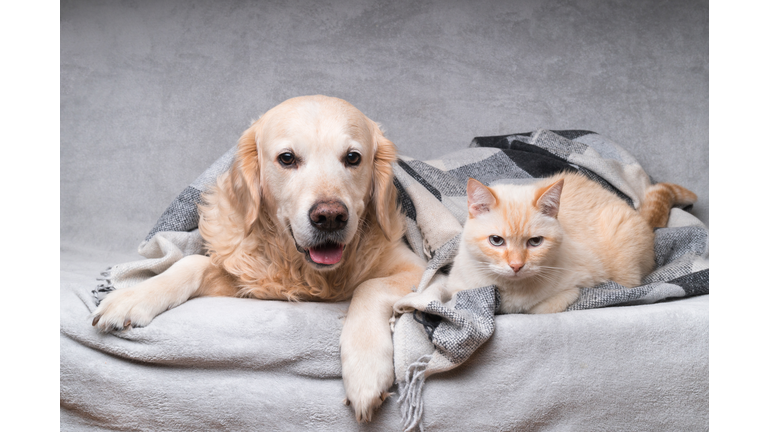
[{"x": 308, "y": 211}]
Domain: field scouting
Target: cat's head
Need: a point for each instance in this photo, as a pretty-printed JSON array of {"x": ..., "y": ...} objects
[{"x": 513, "y": 231}]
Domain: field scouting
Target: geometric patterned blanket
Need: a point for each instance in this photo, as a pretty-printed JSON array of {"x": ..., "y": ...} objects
[{"x": 438, "y": 337}]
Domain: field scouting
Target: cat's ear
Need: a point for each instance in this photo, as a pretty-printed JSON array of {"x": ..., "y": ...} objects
[
  {"x": 548, "y": 198},
  {"x": 480, "y": 199}
]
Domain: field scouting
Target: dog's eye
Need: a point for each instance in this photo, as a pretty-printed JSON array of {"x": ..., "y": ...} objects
[
  {"x": 286, "y": 159},
  {"x": 353, "y": 159}
]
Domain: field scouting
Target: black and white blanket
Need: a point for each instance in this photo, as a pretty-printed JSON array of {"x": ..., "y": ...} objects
[{"x": 438, "y": 337}]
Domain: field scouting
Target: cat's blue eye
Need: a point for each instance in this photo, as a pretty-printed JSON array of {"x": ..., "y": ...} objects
[
  {"x": 496, "y": 240},
  {"x": 535, "y": 241}
]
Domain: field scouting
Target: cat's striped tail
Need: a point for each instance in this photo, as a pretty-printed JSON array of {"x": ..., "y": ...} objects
[{"x": 660, "y": 198}]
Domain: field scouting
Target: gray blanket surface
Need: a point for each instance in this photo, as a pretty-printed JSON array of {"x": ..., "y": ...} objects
[
  {"x": 240, "y": 364},
  {"x": 433, "y": 198}
]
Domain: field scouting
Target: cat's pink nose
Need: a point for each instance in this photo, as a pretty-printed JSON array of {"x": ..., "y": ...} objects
[{"x": 516, "y": 266}]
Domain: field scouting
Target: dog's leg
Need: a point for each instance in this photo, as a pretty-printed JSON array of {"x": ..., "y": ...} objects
[
  {"x": 136, "y": 306},
  {"x": 367, "y": 365}
]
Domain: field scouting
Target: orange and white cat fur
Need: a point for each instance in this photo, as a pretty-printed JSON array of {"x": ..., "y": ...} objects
[{"x": 540, "y": 243}]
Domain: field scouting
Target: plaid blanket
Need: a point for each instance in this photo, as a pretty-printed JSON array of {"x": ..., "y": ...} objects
[{"x": 438, "y": 337}]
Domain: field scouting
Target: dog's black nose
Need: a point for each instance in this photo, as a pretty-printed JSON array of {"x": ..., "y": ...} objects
[{"x": 329, "y": 215}]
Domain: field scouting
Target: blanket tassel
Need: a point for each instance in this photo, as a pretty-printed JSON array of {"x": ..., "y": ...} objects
[{"x": 410, "y": 400}]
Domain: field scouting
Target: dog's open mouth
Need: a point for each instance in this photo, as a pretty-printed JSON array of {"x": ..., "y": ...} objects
[{"x": 326, "y": 254}]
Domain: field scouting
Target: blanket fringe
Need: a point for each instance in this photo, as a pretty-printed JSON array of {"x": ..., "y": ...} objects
[{"x": 410, "y": 400}]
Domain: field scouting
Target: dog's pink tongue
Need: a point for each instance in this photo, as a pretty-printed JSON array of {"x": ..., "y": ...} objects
[{"x": 326, "y": 254}]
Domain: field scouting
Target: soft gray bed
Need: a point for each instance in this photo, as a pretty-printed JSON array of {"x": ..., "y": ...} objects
[
  {"x": 152, "y": 94},
  {"x": 236, "y": 364}
]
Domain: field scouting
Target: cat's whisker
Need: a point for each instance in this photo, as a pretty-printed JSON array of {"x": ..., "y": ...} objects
[
  {"x": 555, "y": 268},
  {"x": 546, "y": 277},
  {"x": 556, "y": 271}
]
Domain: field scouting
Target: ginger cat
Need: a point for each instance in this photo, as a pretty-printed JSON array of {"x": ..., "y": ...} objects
[{"x": 540, "y": 243}]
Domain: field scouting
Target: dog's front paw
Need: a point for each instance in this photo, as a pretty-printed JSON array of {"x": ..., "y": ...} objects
[
  {"x": 366, "y": 386},
  {"x": 126, "y": 308},
  {"x": 368, "y": 373}
]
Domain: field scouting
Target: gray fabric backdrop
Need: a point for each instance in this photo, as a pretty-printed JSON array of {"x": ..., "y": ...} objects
[{"x": 153, "y": 92}]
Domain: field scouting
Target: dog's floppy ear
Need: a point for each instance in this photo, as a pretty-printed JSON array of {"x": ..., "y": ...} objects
[
  {"x": 383, "y": 193},
  {"x": 244, "y": 176}
]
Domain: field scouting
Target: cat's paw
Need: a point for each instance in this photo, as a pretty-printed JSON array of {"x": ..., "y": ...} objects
[
  {"x": 406, "y": 304},
  {"x": 436, "y": 292},
  {"x": 126, "y": 308},
  {"x": 557, "y": 303}
]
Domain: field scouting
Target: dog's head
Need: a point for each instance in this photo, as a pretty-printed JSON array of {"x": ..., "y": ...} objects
[{"x": 317, "y": 166}]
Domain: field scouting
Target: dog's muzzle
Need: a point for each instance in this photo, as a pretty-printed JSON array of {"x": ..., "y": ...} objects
[{"x": 329, "y": 220}]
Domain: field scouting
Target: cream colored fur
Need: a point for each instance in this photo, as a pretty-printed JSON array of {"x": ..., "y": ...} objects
[
  {"x": 588, "y": 236},
  {"x": 256, "y": 228}
]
